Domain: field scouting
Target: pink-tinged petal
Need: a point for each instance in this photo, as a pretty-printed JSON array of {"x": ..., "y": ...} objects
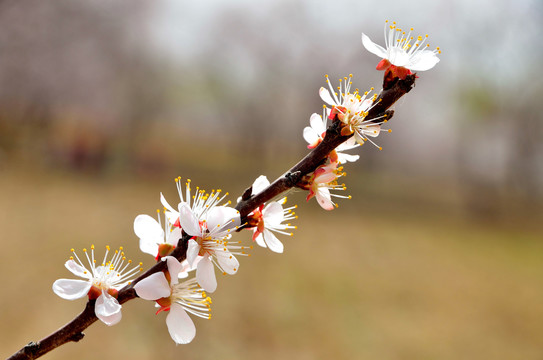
[
  {"x": 174, "y": 268},
  {"x": 111, "y": 319},
  {"x": 192, "y": 251},
  {"x": 260, "y": 240},
  {"x": 71, "y": 289},
  {"x": 273, "y": 214},
  {"x": 260, "y": 184},
  {"x": 324, "y": 199},
  {"x": 205, "y": 275},
  {"x": 373, "y": 47},
  {"x": 317, "y": 123},
  {"x": 326, "y": 97},
  {"x": 174, "y": 236},
  {"x": 424, "y": 60},
  {"x": 273, "y": 243},
  {"x": 189, "y": 222},
  {"x": 325, "y": 177},
  {"x": 180, "y": 325},
  {"x": 77, "y": 269},
  {"x": 310, "y": 136},
  {"x": 227, "y": 261},
  {"x": 108, "y": 309},
  {"x": 153, "y": 287}
]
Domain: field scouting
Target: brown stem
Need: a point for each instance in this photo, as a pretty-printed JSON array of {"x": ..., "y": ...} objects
[{"x": 73, "y": 331}]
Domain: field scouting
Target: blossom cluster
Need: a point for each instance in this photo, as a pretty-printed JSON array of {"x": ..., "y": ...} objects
[{"x": 205, "y": 221}]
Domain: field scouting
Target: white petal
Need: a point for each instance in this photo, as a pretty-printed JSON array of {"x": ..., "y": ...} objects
[
  {"x": 192, "y": 251},
  {"x": 108, "y": 309},
  {"x": 147, "y": 227},
  {"x": 153, "y": 287},
  {"x": 180, "y": 325},
  {"x": 189, "y": 222},
  {"x": 373, "y": 47},
  {"x": 273, "y": 243},
  {"x": 325, "y": 96},
  {"x": 205, "y": 275},
  {"x": 348, "y": 144},
  {"x": 227, "y": 261},
  {"x": 188, "y": 268},
  {"x": 71, "y": 289},
  {"x": 372, "y": 130},
  {"x": 317, "y": 123},
  {"x": 150, "y": 233},
  {"x": 260, "y": 240},
  {"x": 273, "y": 214},
  {"x": 424, "y": 60},
  {"x": 219, "y": 219},
  {"x": 166, "y": 205},
  {"x": 398, "y": 56},
  {"x": 343, "y": 158},
  {"x": 359, "y": 139},
  {"x": 174, "y": 236},
  {"x": 77, "y": 269},
  {"x": 260, "y": 184},
  {"x": 148, "y": 247},
  {"x": 174, "y": 268}
]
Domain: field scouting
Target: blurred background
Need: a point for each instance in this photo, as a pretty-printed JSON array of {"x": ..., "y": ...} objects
[{"x": 439, "y": 255}]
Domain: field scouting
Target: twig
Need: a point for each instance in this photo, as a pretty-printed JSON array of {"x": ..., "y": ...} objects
[{"x": 73, "y": 331}]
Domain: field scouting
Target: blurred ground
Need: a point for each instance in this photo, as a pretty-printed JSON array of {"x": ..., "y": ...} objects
[{"x": 365, "y": 281}]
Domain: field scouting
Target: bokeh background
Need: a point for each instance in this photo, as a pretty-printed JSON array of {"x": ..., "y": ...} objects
[{"x": 439, "y": 255}]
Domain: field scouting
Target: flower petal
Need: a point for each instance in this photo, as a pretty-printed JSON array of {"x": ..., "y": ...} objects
[
  {"x": 343, "y": 158},
  {"x": 260, "y": 240},
  {"x": 174, "y": 236},
  {"x": 317, "y": 123},
  {"x": 148, "y": 247},
  {"x": 77, "y": 269},
  {"x": 422, "y": 61},
  {"x": 150, "y": 233},
  {"x": 273, "y": 214},
  {"x": 153, "y": 287},
  {"x": 174, "y": 268},
  {"x": 326, "y": 97},
  {"x": 324, "y": 199},
  {"x": 205, "y": 275},
  {"x": 310, "y": 135},
  {"x": 108, "y": 309},
  {"x": 180, "y": 325},
  {"x": 222, "y": 218},
  {"x": 167, "y": 205},
  {"x": 192, "y": 251},
  {"x": 227, "y": 261},
  {"x": 189, "y": 222},
  {"x": 273, "y": 243},
  {"x": 260, "y": 184},
  {"x": 373, "y": 47},
  {"x": 70, "y": 289}
]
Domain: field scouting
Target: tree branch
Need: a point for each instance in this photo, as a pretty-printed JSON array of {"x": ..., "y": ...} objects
[{"x": 73, "y": 331}]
